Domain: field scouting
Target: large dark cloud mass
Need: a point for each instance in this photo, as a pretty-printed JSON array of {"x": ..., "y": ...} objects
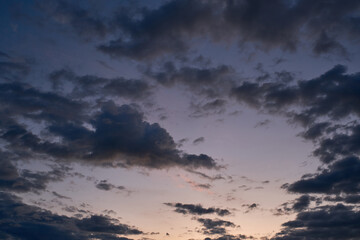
[
  {"x": 172, "y": 27},
  {"x": 147, "y": 33},
  {"x": 119, "y": 134}
]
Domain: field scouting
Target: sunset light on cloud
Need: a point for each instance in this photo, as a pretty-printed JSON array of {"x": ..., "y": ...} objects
[{"x": 179, "y": 119}]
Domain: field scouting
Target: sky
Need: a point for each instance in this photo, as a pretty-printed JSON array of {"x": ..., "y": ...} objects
[{"x": 181, "y": 120}]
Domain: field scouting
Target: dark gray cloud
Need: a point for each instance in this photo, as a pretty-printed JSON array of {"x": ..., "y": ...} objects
[
  {"x": 119, "y": 134},
  {"x": 21, "y": 221},
  {"x": 58, "y": 195},
  {"x": 342, "y": 141},
  {"x": 329, "y": 222},
  {"x": 322, "y": 105},
  {"x": 197, "y": 209},
  {"x": 20, "y": 181},
  {"x": 280, "y": 24},
  {"x": 106, "y": 186},
  {"x": 231, "y": 237},
  {"x": 172, "y": 27},
  {"x": 333, "y": 95},
  {"x": 299, "y": 204},
  {"x": 215, "y": 226},
  {"x": 345, "y": 198},
  {"x": 315, "y": 131},
  {"x": 147, "y": 35},
  {"x": 205, "y": 176},
  {"x": 302, "y": 203},
  {"x": 250, "y": 207},
  {"x": 342, "y": 176},
  {"x": 19, "y": 99}
]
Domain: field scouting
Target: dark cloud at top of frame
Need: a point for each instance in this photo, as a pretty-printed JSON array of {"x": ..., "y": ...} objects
[
  {"x": 140, "y": 32},
  {"x": 279, "y": 24}
]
